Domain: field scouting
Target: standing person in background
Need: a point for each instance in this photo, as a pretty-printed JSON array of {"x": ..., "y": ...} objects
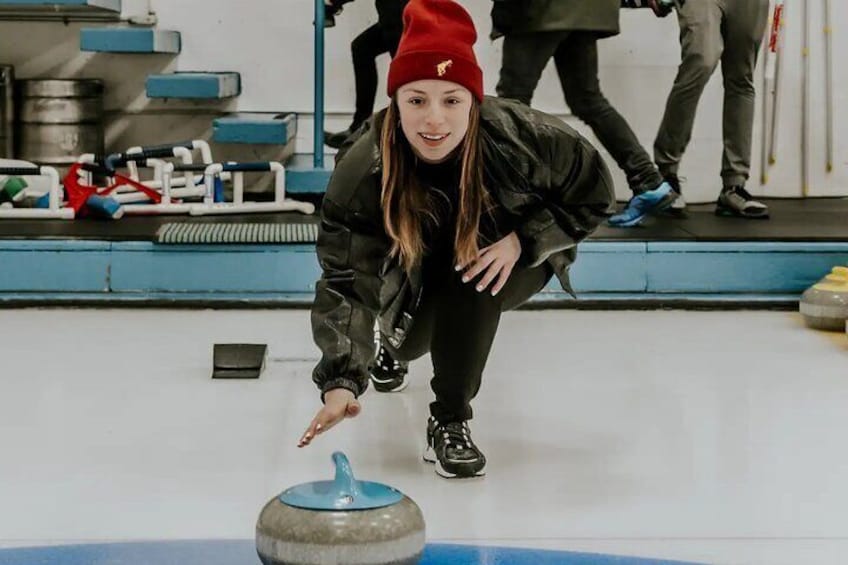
[
  {"x": 382, "y": 37},
  {"x": 568, "y": 31},
  {"x": 713, "y": 31}
]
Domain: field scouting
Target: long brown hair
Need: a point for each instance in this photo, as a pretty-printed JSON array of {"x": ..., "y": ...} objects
[{"x": 407, "y": 204}]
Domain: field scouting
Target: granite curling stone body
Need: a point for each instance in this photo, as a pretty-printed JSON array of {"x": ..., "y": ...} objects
[
  {"x": 340, "y": 521},
  {"x": 824, "y": 306}
]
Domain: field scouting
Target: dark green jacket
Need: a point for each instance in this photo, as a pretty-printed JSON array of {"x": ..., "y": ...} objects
[
  {"x": 537, "y": 169},
  {"x": 524, "y": 16}
]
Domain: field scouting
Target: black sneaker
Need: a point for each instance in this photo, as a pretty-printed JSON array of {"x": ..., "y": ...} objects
[
  {"x": 336, "y": 140},
  {"x": 450, "y": 447},
  {"x": 736, "y": 201},
  {"x": 678, "y": 207},
  {"x": 387, "y": 374}
]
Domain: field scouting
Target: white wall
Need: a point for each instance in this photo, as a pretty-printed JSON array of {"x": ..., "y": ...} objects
[{"x": 270, "y": 43}]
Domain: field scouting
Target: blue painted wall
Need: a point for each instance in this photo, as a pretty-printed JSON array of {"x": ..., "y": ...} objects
[{"x": 136, "y": 270}]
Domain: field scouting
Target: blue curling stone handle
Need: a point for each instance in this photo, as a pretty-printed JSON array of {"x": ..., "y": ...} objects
[{"x": 343, "y": 493}]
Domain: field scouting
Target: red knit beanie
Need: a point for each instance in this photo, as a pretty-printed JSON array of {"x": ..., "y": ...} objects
[{"x": 437, "y": 43}]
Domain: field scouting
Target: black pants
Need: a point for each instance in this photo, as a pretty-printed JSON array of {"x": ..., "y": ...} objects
[
  {"x": 457, "y": 325},
  {"x": 365, "y": 48},
  {"x": 575, "y": 54}
]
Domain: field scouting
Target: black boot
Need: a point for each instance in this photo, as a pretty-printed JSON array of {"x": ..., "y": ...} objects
[
  {"x": 336, "y": 140},
  {"x": 387, "y": 374},
  {"x": 451, "y": 448}
]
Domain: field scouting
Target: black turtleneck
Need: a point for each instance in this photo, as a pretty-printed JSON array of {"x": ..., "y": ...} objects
[{"x": 441, "y": 180}]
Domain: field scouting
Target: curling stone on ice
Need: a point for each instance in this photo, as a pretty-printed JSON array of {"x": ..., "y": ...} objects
[
  {"x": 340, "y": 521},
  {"x": 824, "y": 306}
]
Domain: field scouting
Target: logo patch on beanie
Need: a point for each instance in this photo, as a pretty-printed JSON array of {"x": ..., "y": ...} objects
[{"x": 442, "y": 68}]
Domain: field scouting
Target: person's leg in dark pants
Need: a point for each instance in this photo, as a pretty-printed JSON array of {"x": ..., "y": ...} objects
[
  {"x": 457, "y": 325},
  {"x": 577, "y": 66},
  {"x": 464, "y": 328},
  {"x": 745, "y": 24},
  {"x": 702, "y": 45},
  {"x": 525, "y": 56},
  {"x": 365, "y": 49},
  {"x": 391, "y": 41}
]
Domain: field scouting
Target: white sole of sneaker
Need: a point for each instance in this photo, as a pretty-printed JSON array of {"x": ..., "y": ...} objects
[
  {"x": 729, "y": 213},
  {"x": 398, "y": 388},
  {"x": 430, "y": 457}
]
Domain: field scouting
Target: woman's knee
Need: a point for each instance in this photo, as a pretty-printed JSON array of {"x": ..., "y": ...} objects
[
  {"x": 363, "y": 48},
  {"x": 739, "y": 83},
  {"x": 699, "y": 61},
  {"x": 359, "y": 47},
  {"x": 410, "y": 350},
  {"x": 525, "y": 284}
]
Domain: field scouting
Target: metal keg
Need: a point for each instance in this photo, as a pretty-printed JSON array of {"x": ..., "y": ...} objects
[
  {"x": 58, "y": 120},
  {"x": 7, "y": 111}
]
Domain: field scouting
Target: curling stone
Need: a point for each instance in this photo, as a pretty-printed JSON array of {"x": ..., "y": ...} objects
[
  {"x": 824, "y": 306},
  {"x": 340, "y": 521}
]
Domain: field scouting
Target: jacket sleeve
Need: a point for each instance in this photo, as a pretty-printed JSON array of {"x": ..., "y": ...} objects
[
  {"x": 352, "y": 246},
  {"x": 577, "y": 195}
]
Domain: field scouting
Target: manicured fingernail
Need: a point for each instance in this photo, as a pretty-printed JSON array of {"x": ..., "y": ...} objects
[
  {"x": 318, "y": 427},
  {"x": 465, "y": 279},
  {"x": 494, "y": 292},
  {"x": 479, "y": 289},
  {"x": 458, "y": 268}
]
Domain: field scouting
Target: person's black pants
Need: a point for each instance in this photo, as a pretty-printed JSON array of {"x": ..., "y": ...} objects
[
  {"x": 365, "y": 49},
  {"x": 457, "y": 325},
  {"x": 575, "y": 54}
]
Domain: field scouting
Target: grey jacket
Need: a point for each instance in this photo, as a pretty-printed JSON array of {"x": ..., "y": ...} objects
[{"x": 537, "y": 169}]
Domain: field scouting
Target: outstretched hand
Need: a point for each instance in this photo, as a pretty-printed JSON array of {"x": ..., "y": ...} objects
[{"x": 339, "y": 403}]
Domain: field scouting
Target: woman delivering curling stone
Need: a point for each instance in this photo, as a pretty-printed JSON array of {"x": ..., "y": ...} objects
[{"x": 447, "y": 209}]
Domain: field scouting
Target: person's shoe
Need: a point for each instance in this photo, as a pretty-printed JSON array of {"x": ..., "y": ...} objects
[
  {"x": 678, "y": 207},
  {"x": 387, "y": 374},
  {"x": 641, "y": 205},
  {"x": 450, "y": 447},
  {"x": 736, "y": 201},
  {"x": 336, "y": 140}
]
